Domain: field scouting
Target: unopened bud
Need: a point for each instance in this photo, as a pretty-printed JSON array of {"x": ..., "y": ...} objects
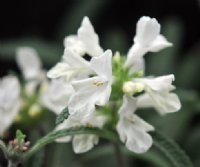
[
  {"x": 117, "y": 57},
  {"x": 130, "y": 88},
  {"x": 35, "y": 110}
]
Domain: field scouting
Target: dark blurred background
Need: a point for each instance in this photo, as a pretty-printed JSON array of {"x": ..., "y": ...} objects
[
  {"x": 44, "y": 24},
  {"x": 45, "y": 18}
]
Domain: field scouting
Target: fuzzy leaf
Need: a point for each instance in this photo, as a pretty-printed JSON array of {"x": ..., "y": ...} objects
[{"x": 62, "y": 116}]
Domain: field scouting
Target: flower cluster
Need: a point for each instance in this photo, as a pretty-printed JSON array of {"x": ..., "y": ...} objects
[
  {"x": 102, "y": 91},
  {"x": 107, "y": 89}
]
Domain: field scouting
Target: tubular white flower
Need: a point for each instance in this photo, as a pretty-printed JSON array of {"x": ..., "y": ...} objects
[
  {"x": 158, "y": 94},
  {"x": 83, "y": 142},
  {"x": 57, "y": 95},
  {"x": 9, "y": 101},
  {"x": 132, "y": 129},
  {"x": 86, "y": 41},
  {"x": 95, "y": 90},
  {"x": 147, "y": 39},
  {"x": 71, "y": 66},
  {"x": 29, "y": 63}
]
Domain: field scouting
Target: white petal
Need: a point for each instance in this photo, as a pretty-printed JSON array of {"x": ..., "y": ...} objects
[
  {"x": 29, "y": 62},
  {"x": 147, "y": 30},
  {"x": 60, "y": 69},
  {"x": 138, "y": 141},
  {"x": 144, "y": 101},
  {"x": 165, "y": 102},
  {"x": 128, "y": 107},
  {"x": 9, "y": 101},
  {"x": 134, "y": 135},
  {"x": 102, "y": 65},
  {"x": 84, "y": 143},
  {"x": 75, "y": 60},
  {"x": 57, "y": 95},
  {"x": 74, "y": 44},
  {"x": 163, "y": 83},
  {"x": 89, "y": 38},
  {"x": 159, "y": 43},
  {"x": 88, "y": 93}
]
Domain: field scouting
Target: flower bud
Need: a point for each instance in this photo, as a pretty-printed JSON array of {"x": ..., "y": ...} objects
[{"x": 130, "y": 88}]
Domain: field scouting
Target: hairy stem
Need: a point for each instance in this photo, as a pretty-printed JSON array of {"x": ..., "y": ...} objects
[
  {"x": 11, "y": 164},
  {"x": 52, "y": 136},
  {"x": 3, "y": 148},
  {"x": 119, "y": 156}
]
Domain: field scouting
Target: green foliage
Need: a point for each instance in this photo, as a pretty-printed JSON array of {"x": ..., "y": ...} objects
[
  {"x": 19, "y": 135},
  {"x": 62, "y": 116},
  {"x": 171, "y": 151}
]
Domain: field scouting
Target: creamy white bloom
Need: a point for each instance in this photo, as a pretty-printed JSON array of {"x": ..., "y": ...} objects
[
  {"x": 83, "y": 142},
  {"x": 147, "y": 39},
  {"x": 132, "y": 129},
  {"x": 158, "y": 94},
  {"x": 29, "y": 63},
  {"x": 31, "y": 67},
  {"x": 86, "y": 41},
  {"x": 9, "y": 101},
  {"x": 57, "y": 95},
  {"x": 72, "y": 65},
  {"x": 93, "y": 91}
]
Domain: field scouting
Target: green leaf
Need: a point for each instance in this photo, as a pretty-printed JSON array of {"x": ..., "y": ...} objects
[
  {"x": 171, "y": 151},
  {"x": 19, "y": 135},
  {"x": 52, "y": 136},
  {"x": 62, "y": 116}
]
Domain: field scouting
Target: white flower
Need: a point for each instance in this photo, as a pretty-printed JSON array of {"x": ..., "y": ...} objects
[
  {"x": 57, "y": 95},
  {"x": 71, "y": 66},
  {"x": 132, "y": 129},
  {"x": 147, "y": 39},
  {"x": 31, "y": 67},
  {"x": 29, "y": 63},
  {"x": 9, "y": 101},
  {"x": 86, "y": 41},
  {"x": 95, "y": 90},
  {"x": 82, "y": 142},
  {"x": 158, "y": 94}
]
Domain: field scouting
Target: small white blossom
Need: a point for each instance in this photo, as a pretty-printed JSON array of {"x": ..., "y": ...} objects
[
  {"x": 9, "y": 101},
  {"x": 158, "y": 94},
  {"x": 71, "y": 66},
  {"x": 83, "y": 142},
  {"x": 29, "y": 63},
  {"x": 31, "y": 67},
  {"x": 147, "y": 39},
  {"x": 57, "y": 95},
  {"x": 132, "y": 129},
  {"x": 93, "y": 91},
  {"x": 86, "y": 41}
]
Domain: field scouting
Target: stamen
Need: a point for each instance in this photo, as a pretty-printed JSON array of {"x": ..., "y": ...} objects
[{"x": 97, "y": 83}]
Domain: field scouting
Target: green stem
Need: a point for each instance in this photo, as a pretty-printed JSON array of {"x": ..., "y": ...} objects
[
  {"x": 119, "y": 156},
  {"x": 52, "y": 136},
  {"x": 11, "y": 164},
  {"x": 3, "y": 148}
]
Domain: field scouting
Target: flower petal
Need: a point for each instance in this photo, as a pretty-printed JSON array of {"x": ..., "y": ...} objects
[
  {"x": 159, "y": 43},
  {"x": 57, "y": 95},
  {"x": 83, "y": 143},
  {"x": 9, "y": 101},
  {"x": 29, "y": 62},
  {"x": 102, "y": 65},
  {"x": 147, "y": 30},
  {"x": 163, "y": 83},
  {"x": 89, "y": 38},
  {"x": 73, "y": 43}
]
